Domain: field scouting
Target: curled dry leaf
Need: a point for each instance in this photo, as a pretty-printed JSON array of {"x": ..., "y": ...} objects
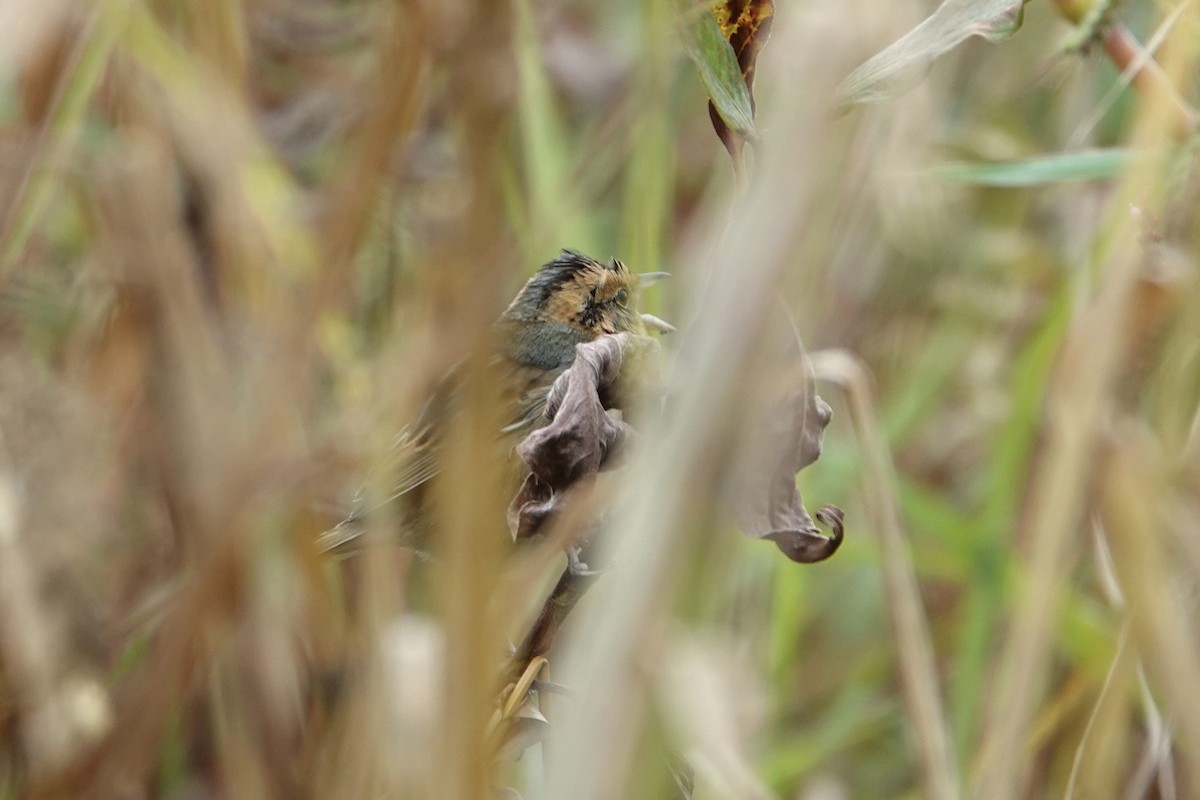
[
  {"x": 783, "y": 436},
  {"x": 582, "y": 437},
  {"x": 713, "y": 705},
  {"x": 527, "y": 727}
]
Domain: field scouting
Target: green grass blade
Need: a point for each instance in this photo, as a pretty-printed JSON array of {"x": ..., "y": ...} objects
[{"x": 1085, "y": 165}]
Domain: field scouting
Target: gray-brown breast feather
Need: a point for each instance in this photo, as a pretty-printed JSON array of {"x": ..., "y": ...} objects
[{"x": 544, "y": 345}]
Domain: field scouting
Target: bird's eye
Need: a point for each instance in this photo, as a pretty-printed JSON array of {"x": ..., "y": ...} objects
[{"x": 621, "y": 298}]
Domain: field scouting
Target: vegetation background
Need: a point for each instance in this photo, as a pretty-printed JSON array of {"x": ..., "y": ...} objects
[{"x": 243, "y": 238}]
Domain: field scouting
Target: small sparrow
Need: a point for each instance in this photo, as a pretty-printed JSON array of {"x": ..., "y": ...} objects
[{"x": 568, "y": 301}]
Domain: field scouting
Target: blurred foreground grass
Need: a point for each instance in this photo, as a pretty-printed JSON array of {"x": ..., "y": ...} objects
[{"x": 243, "y": 240}]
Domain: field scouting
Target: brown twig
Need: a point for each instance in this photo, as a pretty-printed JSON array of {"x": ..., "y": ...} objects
[
  {"x": 1127, "y": 53},
  {"x": 917, "y": 664}
]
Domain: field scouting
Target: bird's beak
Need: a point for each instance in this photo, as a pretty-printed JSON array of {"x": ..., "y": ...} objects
[
  {"x": 655, "y": 324},
  {"x": 651, "y": 278}
]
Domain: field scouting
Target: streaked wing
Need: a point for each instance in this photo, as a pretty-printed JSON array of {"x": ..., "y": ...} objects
[
  {"x": 413, "y": 459},
  {"x": 410, "y": 462}
]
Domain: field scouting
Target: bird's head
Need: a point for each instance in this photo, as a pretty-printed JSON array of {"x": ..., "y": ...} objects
[{"x": 591, "y": 297}]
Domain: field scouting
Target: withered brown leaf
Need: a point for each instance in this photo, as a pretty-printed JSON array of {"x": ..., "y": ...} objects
[
  {"x": 782, "y": 436},
  {"x": 582, "y": 437}
]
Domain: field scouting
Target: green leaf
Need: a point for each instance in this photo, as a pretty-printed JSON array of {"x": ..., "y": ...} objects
[
  {"x": 1085, "y": 165},
  {"x": 720, "y": 73},
  {"x": 953, "y": 22}
]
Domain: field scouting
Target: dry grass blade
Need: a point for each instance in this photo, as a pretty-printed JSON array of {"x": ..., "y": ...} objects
[
  {"x": 57, "y": 717},
  {"x": 676, "y": 474},
  {"x": 712, "y": 700},
  {"x": 1156, "y": 766},
  {"x": 1079, "y": 404},
  {"x": 1131, "y": 498},
  {"x": 909, "y": 624},
  {"x": 1098, "y": 756},
  {"x": 71, "y": 97}
]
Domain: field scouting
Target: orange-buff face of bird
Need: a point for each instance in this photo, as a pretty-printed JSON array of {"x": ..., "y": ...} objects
[{"x": 575, "y": 290}]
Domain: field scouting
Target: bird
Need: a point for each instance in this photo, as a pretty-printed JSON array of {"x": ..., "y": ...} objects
[{"x": 569, "y": 300}]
